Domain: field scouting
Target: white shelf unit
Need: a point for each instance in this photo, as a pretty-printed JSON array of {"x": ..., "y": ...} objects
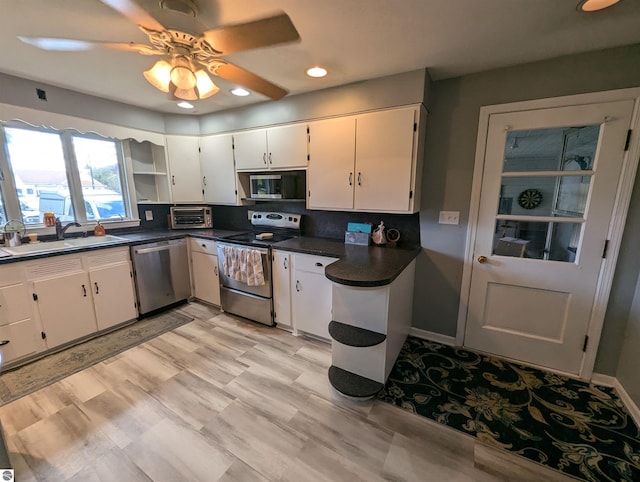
[{"x": 149, "y": 168}]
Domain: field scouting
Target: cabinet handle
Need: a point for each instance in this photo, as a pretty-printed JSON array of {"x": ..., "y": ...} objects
[
  {"x": 285, "y": 263},
  {"x": 215, "y": 270},
  {"x": 270, "y": 160},
  {"x": 204, "y": 180},
  {"x": 84, "y": 291},
  {"x": 350, "y": 179},
  {"x": 319, "y": 265},
  {"x": 298, "y": 285},
  {"x": 264, "y": 157},
  {"x": 4, "y": 342},
  {"x": 97, "y": 289},
  {"x": 173, "y": 180},
  {"x": 359, "y": 179}
]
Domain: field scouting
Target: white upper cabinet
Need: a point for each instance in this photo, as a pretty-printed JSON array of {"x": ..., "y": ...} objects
[
  {"x": 330, "y": 176},
  {"x": 368, "y": 162},
  {"x": 218, "y": 170},
  {"x": 274, "y": 148},
  {"x": 184, "y": 164},
  {"x": 385, "y": 148}
]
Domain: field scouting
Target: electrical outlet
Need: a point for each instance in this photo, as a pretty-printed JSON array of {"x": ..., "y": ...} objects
[
  {"x": 148, "y": 215},
  {"x": 449, "y": 217}
]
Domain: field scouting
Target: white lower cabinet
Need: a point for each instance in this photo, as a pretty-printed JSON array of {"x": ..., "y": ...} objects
[
  {"x": 66, "y": 307},
  {"x": 204, "y": 270},
  {"x": 281, "y": 275},
  {"x": 19, "y": 335},
  {"x": 311, "y": 294},
  {"x": 77, "y": 295},
  {"x": 112, "y": 287}
]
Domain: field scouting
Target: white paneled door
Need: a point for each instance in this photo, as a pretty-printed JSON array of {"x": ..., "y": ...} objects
[{"x": 549, "y": 184}]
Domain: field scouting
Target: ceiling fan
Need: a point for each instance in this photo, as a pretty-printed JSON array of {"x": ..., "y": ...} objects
[{"x": 187, "y": 58}]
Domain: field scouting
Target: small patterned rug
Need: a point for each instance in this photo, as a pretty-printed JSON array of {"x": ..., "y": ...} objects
[
  {"x": 577, "y": 428},
  {"x": 29, "y": 378}
]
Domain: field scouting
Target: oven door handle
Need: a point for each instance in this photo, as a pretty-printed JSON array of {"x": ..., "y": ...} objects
[{"x": 247, "y": 246}]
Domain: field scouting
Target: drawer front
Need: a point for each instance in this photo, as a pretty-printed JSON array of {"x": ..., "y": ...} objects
[
  {"x": 22, "y": 338},
  {"x": 207, "y": 246},
  {"x": 311, "y": 263}
]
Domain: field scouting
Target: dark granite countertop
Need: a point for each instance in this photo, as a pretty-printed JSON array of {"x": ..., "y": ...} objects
[
  {"x": 369, "y": 266},
  {"x": 128, "y": 239},
  {"x": 318, "y": 246},
  {"x": 358, "y": 265}
]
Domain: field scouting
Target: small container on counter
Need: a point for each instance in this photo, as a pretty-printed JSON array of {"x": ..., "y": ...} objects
[
  {"x": 49, "y": 219},
  {"x": 99, "y": 230}
]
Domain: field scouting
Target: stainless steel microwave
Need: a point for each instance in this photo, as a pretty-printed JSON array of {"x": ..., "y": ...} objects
[
  {"x": 190, "y": 217},
  {"x": 273, "y": 186}
]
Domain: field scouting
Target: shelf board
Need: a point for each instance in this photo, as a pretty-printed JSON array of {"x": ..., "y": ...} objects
[{"x": 149, "y": 173}]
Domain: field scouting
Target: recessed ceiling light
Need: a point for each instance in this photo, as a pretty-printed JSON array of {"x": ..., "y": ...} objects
[
  {"x": 240, "y": 92},
  {"x": 185, "y": 105},
  {"x": 595, "y": 5},
  {"x": 316, "y": 71}
]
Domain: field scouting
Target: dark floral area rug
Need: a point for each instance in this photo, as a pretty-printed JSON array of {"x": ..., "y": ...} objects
[{"x": 580, "y": 429}]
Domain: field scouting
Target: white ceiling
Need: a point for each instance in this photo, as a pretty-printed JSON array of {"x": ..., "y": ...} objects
[{"x": 354, "y": 39}]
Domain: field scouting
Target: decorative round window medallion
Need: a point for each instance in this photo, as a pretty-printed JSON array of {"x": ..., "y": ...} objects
[{"x": 530, "y": 198}]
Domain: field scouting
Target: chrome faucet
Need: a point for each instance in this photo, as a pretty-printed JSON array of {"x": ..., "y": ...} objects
[{"x": 60, "y": 230}]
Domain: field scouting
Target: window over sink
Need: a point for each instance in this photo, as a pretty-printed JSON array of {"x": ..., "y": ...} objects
[{"x": 78, "y": 177}]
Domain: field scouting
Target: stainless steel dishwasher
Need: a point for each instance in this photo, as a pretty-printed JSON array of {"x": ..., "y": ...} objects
[{"x": 161, "y": 274}]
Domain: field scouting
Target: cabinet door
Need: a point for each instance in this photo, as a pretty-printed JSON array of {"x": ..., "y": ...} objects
[
  {"x": 311, "y": 295},
  {"x": 113, "y": 295},
  {"x": 218, "y": 170},
  {"x": 206, "y": 283},
  {"x": 66, "y": 308},
  {"x": 385, "y": 160},
  {"x": 287, "y": 146},
  {"x": 19, "y": 339},
  {"x": 250, "y": 150},
  {"x": 15, "y": 304},
  {"x": 281, "y": 269},
  {"x": 184, "y": 164},
  {"x": 330, "y": 176}
]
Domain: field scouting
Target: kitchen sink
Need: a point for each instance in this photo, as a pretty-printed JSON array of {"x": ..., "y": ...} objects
[{"x": 60, "y": 245}]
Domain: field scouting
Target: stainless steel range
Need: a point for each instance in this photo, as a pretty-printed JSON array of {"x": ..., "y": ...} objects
[{"x": 245, "y": 265}]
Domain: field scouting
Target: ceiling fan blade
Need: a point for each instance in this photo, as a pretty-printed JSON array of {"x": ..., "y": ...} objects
[
  {"x": 249, "y": 80},
  {"x": 72, "y": 45},
  {"x": 135, "y": 13},
  {"x": 251, "y": 35}
]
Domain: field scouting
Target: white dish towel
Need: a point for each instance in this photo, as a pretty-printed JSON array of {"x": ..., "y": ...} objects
[{"x": 244, "y": 265}]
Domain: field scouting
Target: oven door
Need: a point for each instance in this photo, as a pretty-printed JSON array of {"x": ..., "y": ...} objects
[{"x": 226, "y": 280}]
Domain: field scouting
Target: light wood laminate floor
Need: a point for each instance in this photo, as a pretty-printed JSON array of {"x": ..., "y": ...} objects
[{"x": 225, "y": 399}]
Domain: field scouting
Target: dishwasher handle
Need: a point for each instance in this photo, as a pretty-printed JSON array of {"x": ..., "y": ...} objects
[{"x": 154, "y": 249}]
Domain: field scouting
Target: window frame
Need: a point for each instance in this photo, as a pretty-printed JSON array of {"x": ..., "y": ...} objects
[{"x": 8, "y": 189}]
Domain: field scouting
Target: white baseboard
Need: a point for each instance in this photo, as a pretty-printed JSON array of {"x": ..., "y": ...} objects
[
  {"x": 613, "y": 382},
  {"x": 431, "y": 336}
]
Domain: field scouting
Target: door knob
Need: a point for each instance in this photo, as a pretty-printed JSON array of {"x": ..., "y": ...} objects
[{"x": 482, "y": 259}]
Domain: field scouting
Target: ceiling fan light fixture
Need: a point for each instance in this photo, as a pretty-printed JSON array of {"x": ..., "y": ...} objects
[
  {"x": 182, "y": 74},
  {"x": 185, "y": 94},
  {"x": 595, "y": 5},
  {"x": 206, "y": 88},
  {"x": 159, "y": 75}
]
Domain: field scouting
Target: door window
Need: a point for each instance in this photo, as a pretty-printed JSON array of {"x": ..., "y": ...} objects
[{"x": 547, "y": 175}]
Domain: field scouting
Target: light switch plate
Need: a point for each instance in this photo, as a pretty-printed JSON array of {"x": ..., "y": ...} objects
[
  {"x": 449, "y": 217},
  {"x": 148, "y": 215}
]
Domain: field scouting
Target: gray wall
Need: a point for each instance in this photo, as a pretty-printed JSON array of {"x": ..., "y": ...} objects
[
  {"x": 449, "y": 160},
  {"x": 391, "y": 91},
  {"x": 628, "y": 373},
  {"x": 22, "y": 92}
]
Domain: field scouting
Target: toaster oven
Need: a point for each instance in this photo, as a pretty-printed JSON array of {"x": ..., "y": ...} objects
[{"x": 190, "y": 217}]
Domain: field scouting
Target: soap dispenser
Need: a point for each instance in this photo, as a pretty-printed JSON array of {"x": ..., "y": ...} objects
[{"x": 99, "y": 230}]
